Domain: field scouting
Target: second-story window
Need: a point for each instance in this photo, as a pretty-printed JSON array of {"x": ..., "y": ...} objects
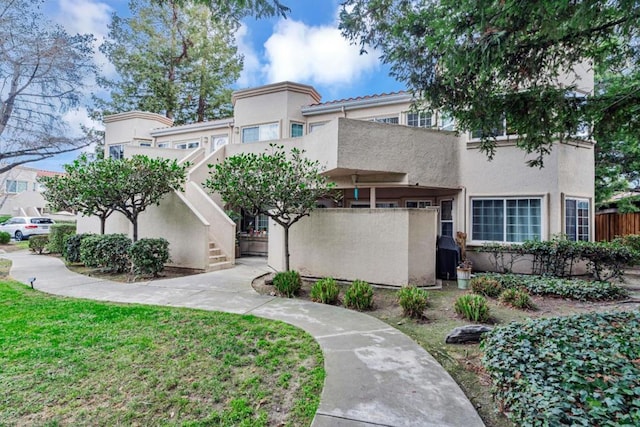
[
  {"x": 14, "y": 186},
  {"x": 297, "y": 130},
  {"x": 116, "y": 151},
  {"x": 419, "y": 120},
  {"x": 266, "y": 132},
  {"x": 389, "y": 120}
]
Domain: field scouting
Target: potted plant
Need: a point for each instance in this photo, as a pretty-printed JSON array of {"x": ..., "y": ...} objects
[{"x": 463, "y": 272}]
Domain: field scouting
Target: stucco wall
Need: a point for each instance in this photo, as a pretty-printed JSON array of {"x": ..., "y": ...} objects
[{"x": 383, "y": 246}]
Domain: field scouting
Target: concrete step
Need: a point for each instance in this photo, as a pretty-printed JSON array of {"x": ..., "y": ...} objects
[
  {"x": 220, "y": 266},
  {"x": 212, "y": 245},
  {"x": 215, "y": 251},
  {"x": 217, "y": 258}
]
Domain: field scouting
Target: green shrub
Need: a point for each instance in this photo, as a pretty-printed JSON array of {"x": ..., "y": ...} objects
[
  {"x": 517, "y": 298},
  {"x": 631, "y": 241},
  {"x": 108, "y": 251},
  {"x": 487, "y": 286},
  {"x": 71, "y": 247},
  {"x": 359, "y": 295},
  {"x": 472, "y": 307},
  {"x": 578, "y": 370},
  {"x": 413, "y": 301},
  {"x": 287, "y": 283},
  {"x": 149, "y": 256},
  {"x": 582, "y": 290},
  {"x": 38, "y": 243},
  {"x": 4, "y": 218},
  {"x": 325, "y": 291},
  {"x": 56, "y": 236},
  {"x": 4, "y": 237}
]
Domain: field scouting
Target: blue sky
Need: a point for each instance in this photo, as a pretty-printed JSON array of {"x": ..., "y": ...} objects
[{"x": 306, "y": 47}]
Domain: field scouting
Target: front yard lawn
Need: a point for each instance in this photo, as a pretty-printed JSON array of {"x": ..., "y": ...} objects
[{"x": 71, "y": 362}]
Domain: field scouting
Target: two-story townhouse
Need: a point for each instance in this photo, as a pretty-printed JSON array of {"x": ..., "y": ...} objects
[
  {"x": 21, "y": 193},
  {"x": 405, "y": 177}
]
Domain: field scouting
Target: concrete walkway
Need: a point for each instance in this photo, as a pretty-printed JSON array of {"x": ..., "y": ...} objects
[{"x": 376, "y": 375}]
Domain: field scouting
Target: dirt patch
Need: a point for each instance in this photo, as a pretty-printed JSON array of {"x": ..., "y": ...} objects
[{"x": 167, "y": 273}]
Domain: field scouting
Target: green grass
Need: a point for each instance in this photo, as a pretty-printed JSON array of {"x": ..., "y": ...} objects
[{"x": 69, "y": 362}]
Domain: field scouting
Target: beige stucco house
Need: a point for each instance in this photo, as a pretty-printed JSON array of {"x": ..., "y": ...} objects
[
  {"x": 21, "y": 193},
  {"x": 406, "y": 177}
]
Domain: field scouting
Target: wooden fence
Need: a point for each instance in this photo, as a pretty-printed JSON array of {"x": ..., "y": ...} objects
[{"x": 611, "y": 225}]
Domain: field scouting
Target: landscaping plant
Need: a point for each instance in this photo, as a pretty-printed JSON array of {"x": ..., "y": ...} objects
[
  {"x": 325, "y": 291},
  {"x": 38, "y": 243},
  {"x": 517, "y": 298},
  {"x": 71, "y": 247},
  {"x": 413, "y": 301},
  {"x": 108, "y": 251},
  {"x": 149, "y": 256},
  {"x": 57, "y": 233},
  {"x": 4, "y": 237},
  {"x": 487, "y": 286},
  {"x": 579, "y": 370},
  {"x": 472, "y": 307},
  {"x": 359, "y": 296},
  {"x": 287, "y": 283}
]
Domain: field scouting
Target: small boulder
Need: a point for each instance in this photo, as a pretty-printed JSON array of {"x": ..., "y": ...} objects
[{"x": 465, "y": 334}]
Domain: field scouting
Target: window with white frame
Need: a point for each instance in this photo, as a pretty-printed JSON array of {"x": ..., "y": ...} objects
[
  {"x": 576, "y": 213},
  {"x": 266, "y": 132},
  {"x": 314, "y": 126},
  {"x": 447, "y": 122},
  {"x": 116, "y": 151},
  {"x": 446, "y": 218},
  {"x": 419, "y": 119},
  {"x": 499, "y": 130},
  {"x": 297, "y": 130},
  {"x": 187, "y": 145},
  {"x": 218, "y": 141},
  {"x": 145, "y": 144},
  {"x": 13, "y": 186},
  {"x": 417, "y": 203},
  {"x": 393, "y": 120},
  {"x": 506, "y": 219},
  {"x": 163, "y": 145}
]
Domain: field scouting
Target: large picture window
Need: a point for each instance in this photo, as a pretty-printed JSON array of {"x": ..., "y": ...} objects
[
  {"x": 506, "y": 220},
  {"x": 419, "y": 120},
  {"x": 266, "y": 132},
  {"x": 13, "y": 186},
  {"x": 577, "y": 219}
]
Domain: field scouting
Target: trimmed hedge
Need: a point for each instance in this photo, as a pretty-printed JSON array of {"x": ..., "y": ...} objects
[
  {"x": 108, "y": 251},
  {"x": 557, "y": 257},
  {"x": 149, "y": 256},
  {"x": 71, "y": 247},
  {"x": 38, "y": 243},
  {"x": 57, "y": 234},
  {"x": 582, "y": 290},
  {"x": 4, "y": 237},
  {"x": 580, "y": 370}
]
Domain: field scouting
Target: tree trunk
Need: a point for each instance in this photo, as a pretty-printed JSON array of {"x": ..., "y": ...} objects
[
  {"x": 134, "y": 221},
  {"x": 103, "y": 221},
  {"x": 286, "y": 248}
]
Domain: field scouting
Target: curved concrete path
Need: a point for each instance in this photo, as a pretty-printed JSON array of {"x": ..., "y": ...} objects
[{"x": 376, "y": 375}]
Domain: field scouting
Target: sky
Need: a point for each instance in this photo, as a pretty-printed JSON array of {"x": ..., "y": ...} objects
[{"x": 307, "y": 47}]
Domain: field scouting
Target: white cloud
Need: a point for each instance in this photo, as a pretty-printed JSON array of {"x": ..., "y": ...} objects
[
  {"x": 88, "y": 16},
  {"x": 314, "y": 54},
  {"x": 250, "y": 74}
]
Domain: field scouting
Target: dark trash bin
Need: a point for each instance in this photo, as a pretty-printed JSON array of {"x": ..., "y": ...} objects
[{"x": 447, "y": 258}]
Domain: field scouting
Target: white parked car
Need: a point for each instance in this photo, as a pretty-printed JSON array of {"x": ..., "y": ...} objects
[{"x": 21, "y": 227}]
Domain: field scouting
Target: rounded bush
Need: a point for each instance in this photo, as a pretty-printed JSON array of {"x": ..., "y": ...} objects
[
  {"x": 71, "y": 247},
  {"x": 149, "y": 256},
  {"x": 57, "y": 234},
  {"x": 4, "y": 237},
  {"x": 38, "y": 243},
  {"x": 413, "y": 301},
  {"x": 487, "y": 286},
  {"x": 472, "y": 307},
  {"x": 287, "y": 283},
  {"x": 108, "y": 251},
  {"x": 517, "y": 298},
  {"x": 359, "y": 296},
  {"x": 325, "y": 291}
]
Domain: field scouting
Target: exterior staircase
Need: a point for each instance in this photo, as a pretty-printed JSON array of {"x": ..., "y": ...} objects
[{"x": 217, "y": 260}]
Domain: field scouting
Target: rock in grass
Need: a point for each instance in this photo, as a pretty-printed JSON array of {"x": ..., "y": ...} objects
[{"x": 465, "y": 334}]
